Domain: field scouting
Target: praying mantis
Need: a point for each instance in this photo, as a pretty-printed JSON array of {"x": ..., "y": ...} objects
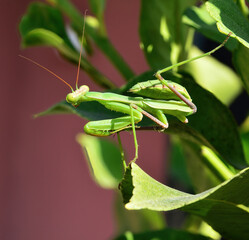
[{"x": 173, "y": 99}]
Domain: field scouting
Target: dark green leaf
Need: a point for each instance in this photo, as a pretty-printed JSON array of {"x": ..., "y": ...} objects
[
  {"x": 229, "y": 19},
  {"x": 40, "y": 16},
  {"x": 90, "y": 110},
  {"x": 225, "y": 207},
  {"x": 245, "y": 142},
  {"x": 178, "y": 169},
  {"x": 162, "y": 34},
  {"x": 136, "y": 221},
  {"x": 201, "y": 21},
  {"x": 202, "y": 161},
  {"x": 241, "y": 59},
  {"x": 98, "y": 7}
]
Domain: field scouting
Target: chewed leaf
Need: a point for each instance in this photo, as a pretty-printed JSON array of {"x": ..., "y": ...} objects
[
  {"x": 229, "y": 19},
  {"x": 215, "y": 206}
]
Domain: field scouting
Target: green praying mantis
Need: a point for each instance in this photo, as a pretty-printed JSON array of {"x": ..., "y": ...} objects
[{"x": 156, "y": 98}]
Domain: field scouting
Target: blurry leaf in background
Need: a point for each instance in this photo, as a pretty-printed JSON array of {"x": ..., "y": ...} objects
[
  {"x": 178, "y": 166},
  {"x": 98, "y": 7},
  {"x": 104, "y": 160},
  {"x": 95, "y": 30},
  {"x": 43, "y": 25},
  {"x": 214, "y": 76},
  {"x": 240, "y": 60},
  {"x": 245, "y": 142},
  {"x": 202, "y": 161},
  {"x": 138, "y": 220},
  {"x": 163, "y": 37},
  {"x": 43, "y": 17}
]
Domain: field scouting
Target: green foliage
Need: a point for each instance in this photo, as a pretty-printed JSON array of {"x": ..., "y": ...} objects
[
  {"x": 104, "y": 160},
  {"x": 212, "y": 147},
  {"x": 225, "y": 207},
  {"x": 222, "y": 11},
  {"x": 165, "y": 43}
]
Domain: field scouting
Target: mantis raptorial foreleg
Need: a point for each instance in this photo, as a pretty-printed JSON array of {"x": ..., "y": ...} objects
[{"x": 110, "y": 126}]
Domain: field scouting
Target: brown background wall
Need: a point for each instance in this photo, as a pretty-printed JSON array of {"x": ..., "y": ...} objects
[{"x": 46, "y": 189}]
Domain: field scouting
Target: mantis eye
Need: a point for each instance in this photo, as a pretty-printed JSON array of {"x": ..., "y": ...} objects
[
  {"x": 84, "y": 89},
  {"x": 72, "y": 98}
]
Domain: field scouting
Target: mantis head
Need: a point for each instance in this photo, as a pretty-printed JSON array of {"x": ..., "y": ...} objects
[{"x": 77, "y": 96}]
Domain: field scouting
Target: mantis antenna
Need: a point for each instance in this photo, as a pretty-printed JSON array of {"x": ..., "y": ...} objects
[
  {"x": 78, "y": 70},
  {"x": 81, "y": 49},
  {"x": 39, "y": 65}
]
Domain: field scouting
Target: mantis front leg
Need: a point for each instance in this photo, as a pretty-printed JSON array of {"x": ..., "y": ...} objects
[{"x": 110, "y": 126}]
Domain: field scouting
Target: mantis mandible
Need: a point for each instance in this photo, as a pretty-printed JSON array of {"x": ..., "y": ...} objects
[{"x": 174, "y": 100}]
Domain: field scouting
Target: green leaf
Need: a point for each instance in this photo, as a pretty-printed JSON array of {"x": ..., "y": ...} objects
[
  {"x": 245, "y": 142},
  {"x": 201, "y": 21},
  {"x": 104, "y": 160},
  {"x": 98, "y": 7},
  {"x": 89, "y": 110},
  {"x": 240, "y": 60},
  {"x": 162, "y": 35},
  {"x": 225, "y": 207},
  {"x": 41, "y": 17},
  {"x": 202, "y": 161},
  {"x": 178, "y": 165},
  {"x": 169, "y": 234},
  {"x": 229, "y": 19},
  {"x": 212, "y": 125},
  {"x": 36, "y": 29},
  {"x": 96, "y": 32}
]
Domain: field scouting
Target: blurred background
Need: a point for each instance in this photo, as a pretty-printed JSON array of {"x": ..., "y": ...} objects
[{"x": 46, "y": 188}]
